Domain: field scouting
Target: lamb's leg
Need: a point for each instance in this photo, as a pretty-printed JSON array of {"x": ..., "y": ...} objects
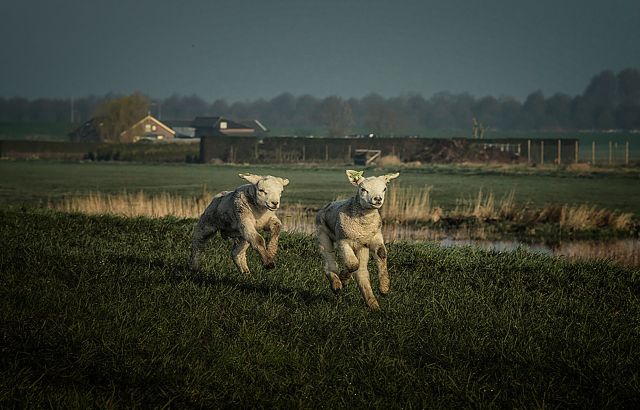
[
  {"x": 201, "y": 235},
  {"x": 348, "y": 256},
  {"x": 239, "y": 255},
  {"x": 274, "y": 227},
  {"x": 380, "y": 255},
  {"x": 363, "y": 280},
  {"x": 249, "y": 234},
  {"x": 330, "y": 264}
]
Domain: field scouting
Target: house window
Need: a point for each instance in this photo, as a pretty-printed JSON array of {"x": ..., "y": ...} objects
[
  {"x": 153, "y": 128},
  {"x": 223, "y": 125},
  {"x": 147, "y": 128}
]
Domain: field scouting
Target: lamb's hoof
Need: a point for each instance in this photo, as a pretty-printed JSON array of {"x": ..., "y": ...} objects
[
  {"x": 373, "y": 305},
  {"x": 269, "y": 265},
  {"x": 335, "y": 286},
  {"x": 384, "y": 292}
]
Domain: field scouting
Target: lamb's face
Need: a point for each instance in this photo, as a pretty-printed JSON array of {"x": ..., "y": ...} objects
[
  {"x": 371, "y": 190},
  {"x": 268, "y": 189}
]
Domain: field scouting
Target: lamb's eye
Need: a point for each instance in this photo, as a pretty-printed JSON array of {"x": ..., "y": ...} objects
[
  {"x": 384, "y": 190},
  {"x": 364, "y": 190},
  {"x": 262, "y": 190}
]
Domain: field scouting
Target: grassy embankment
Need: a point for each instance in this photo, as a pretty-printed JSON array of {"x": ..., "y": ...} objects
[
  {"x": 36, "y": 182},
  {"x": 102, "y": 311},
  {"x": 479, "y": 202}
]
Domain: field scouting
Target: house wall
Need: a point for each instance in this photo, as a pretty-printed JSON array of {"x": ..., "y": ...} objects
[{"x": 133, "y": 134}]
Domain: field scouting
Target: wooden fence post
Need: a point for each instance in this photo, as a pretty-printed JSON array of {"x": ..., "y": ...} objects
[
  {"x": 541, "y": 152},
  {"x": 304, "y": 152},
  {"x": 593, "y": 153},
  {"x": 610, "y": 153},
  {"x": 529, "y": 151},
  {"x": 559, "y": 153},
  {"x": 326, "y": 152},
  {"x": 577, "y": 151},
  {"x": 626, "y": 153}
]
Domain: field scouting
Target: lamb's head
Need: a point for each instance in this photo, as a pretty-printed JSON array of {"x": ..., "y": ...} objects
[
  {"x": 371, "y": 190},
  {"x": 267, "y": 189}
]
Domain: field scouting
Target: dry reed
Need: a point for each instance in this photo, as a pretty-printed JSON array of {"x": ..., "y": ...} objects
[
  {"x": 135, "y": 204},
  {"x": 485, "y": 207},
  {"x": 408, "y": 204},
  {"x": 403, "y": 208}
]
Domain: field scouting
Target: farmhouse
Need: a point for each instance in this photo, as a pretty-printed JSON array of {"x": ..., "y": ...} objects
[
  {"x": 149, "y": 128},
  {"x": 220, "y": 127},
  {"x": 182, "y": 128}
]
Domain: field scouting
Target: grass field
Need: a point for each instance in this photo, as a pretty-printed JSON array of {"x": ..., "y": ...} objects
[
  {"x": 36, "y": 182},
  {"x": 41, "y": 131},
  {"x": 102, "y": 312}
]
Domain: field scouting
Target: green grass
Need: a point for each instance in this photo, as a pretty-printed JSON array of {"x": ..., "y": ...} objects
[
  {"x": 36, "y": 182},
  {"x": 103, "y": 312},
  {"x": 43, "y": 131}
]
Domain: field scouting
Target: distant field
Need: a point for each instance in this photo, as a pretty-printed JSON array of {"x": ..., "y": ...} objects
[
  {"x": 42, "y": 131},
  {"x": 35, "y": 182}
]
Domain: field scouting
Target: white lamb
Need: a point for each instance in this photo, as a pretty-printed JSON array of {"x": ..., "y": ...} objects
[
  {"x": 352, "y": 227},
  {"x": 240, "y": 214}
]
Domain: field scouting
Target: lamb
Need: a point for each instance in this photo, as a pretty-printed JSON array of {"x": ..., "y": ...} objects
[
  {"x": 352, "y": 227},
  {"x": 239, "y": 215}
]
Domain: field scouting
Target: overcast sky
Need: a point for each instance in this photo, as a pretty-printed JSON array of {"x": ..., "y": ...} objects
[{"x": 248, "y": 49}]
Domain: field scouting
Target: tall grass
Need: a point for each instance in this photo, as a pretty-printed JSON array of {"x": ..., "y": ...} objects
[
  {"x": 484, "y": 206},
  {"x": 590, "y": 217},
  {"x": 404, "y": 206},
  {"x": 135, "y": 204}
]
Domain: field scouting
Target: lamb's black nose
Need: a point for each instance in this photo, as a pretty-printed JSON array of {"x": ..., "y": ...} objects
[
  {"x": 275, "y": 203},
  {"x": 377, "y": 198}
]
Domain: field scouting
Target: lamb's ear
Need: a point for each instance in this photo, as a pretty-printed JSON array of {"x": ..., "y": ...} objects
[
  {"x": 355, "y": 177},
  {"x": 284, "y": 181},
  {"x": 389, "y": 177},
  {"x": 251, "y": 178}
]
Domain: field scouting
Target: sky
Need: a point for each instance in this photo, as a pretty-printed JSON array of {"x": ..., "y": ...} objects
[{"x": 249, "y": 49}]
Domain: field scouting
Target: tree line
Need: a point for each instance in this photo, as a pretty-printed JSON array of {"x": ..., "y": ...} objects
[{"x": 610, "y": 101}]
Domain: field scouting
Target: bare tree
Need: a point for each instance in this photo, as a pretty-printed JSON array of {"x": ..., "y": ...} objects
[
  {"x": 119, "y": 114},
  {"x": 336, "y": 115}
]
